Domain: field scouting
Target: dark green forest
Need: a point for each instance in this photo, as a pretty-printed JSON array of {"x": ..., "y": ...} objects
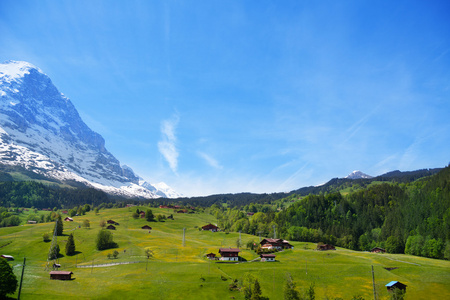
[{"x": 411, "y": 217}]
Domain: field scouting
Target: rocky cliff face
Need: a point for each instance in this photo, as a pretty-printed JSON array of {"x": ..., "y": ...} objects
[{"x": 41, "y": 130}]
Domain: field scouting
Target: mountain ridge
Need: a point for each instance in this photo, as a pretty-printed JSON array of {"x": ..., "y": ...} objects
[{"x": 41, "y": 130}]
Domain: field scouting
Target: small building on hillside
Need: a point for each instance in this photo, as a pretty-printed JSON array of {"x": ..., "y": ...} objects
[
  {"x": 378, "y": 250},
  {"x": 61, "y": 275},
  {"x": 210, "y": 227},
  {"x": 324, "y": 247},
  {"x": 267, "y": 257},
  {"x": 31, "y": 222},
  {"x": 112, "y": 222},
  {"x": 395, "y": 285},
  {"x": 180, "y": 211},
  {"x": 7, "y": 257},
  {"x": 278, "y": 244},
  {"x": 211, "y": 256},
  {"x": 64, "y": 212},
  {"x": 170, "y": 217},
  {"x": 142, "y": 214},
  {"x": 68, "y": 219},
  {"x": 229, "y": 254},
  {"x": 146, "y": 227},
  {"x": 111, "y": 227}
]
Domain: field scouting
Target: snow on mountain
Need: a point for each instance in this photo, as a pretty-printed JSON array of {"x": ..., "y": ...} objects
[
  {"x": 358, "y": 175},
  {"x": 41, "y": 130}
]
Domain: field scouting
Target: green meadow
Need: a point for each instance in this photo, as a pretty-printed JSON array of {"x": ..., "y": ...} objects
[{"x": 179, "y": 271}]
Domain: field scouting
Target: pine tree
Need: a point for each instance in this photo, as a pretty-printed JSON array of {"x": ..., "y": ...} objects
[
  {"x": 256, "y": 291},
  {"x": 59, "y": 226},
  {"x": 70, "y": 246}
]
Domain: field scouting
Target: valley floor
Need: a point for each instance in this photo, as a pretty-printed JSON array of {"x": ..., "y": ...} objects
[{"x": 182, "y": 272}]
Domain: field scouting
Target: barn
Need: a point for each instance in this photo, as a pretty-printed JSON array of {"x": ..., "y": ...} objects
[{"x": 61, "y": 275}]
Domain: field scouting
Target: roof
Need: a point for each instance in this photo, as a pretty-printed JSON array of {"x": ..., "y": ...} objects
[
  {"x": 229, "y": 250},
  {"x": 392, "y": 283},
  {"x": 268, "y": 255},
  {"x": 7, "y": 256},
  {"x": 60, "y": 273}
]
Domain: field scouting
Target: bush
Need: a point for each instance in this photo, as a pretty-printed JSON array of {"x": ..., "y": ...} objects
[{"x": 105, "y": 240}]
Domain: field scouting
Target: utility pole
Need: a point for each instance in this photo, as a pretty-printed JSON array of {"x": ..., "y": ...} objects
[
  {"x": 21, "y": 278},
  {"x": 373, "y": 282}
]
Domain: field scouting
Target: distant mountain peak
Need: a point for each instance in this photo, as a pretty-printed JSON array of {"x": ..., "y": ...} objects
[{"x": 358, "y": 175}]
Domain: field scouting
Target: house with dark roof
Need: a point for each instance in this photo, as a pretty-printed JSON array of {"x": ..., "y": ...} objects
[
  {"x": 229, "y": 254},
  {"x": 211, "y": 256},
  {"x": 69, "y": 219},
  {"x": 378, "y": 250},
  {"x": 61, "y": 275},
  {"x": 111, "y": 227},
  {"x": 267, "y": 257},
  {"x": 146, "y": 227},
  {"x": 324, "y": 247},
  {"x": 210, "y": 227},
  {"x": 112, "y": 222},
  {"x": 278, "y": 244}
]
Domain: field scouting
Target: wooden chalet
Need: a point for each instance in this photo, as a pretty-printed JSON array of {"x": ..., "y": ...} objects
[
  {"x": 229, "y": 254},
  {"x": 210, "y": 227},
  {"x": 378, "y": 250},
  {"x": 112, "y": 222},
  {"x": 211, "y": 256},
  {"x": 395, "y": 285},
  {"x": 278, "y": 244},
  {"x": 64, "y": 212},
  {"x": 31, "y": 222},
  {"x": 324, "y": 247},
  {"x": 111, "y": 227},
  {"x": 146, "y": 227},
  {"x": 61, "y": 275},
  {"x": 7, "y": 257},
  {"x": 142, "y": 213},
  {"x": 267, "y": 257},
  {"x": 68, "y": 219}
]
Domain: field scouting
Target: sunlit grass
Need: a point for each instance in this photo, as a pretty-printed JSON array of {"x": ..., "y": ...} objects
[{"x": 176, "y": 271}]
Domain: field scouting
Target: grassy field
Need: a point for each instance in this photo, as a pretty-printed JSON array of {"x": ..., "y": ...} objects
[{"x": 182, "y": 272}]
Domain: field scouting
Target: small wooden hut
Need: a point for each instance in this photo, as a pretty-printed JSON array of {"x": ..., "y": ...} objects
[{"x": 61, "y": 275}]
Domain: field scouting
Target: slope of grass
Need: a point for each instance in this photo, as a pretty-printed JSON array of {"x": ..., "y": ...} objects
[{"x": 182, "y": 272}]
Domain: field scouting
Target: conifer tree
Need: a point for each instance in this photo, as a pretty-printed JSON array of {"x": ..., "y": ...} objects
[
  {"x": 59, "y": 226},
  {"x": 70, "y": 246}
]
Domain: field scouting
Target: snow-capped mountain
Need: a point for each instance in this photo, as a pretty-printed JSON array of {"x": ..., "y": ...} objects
[
  {"x": 41, "y": 130},
  {"x": 358, "y": 175}
]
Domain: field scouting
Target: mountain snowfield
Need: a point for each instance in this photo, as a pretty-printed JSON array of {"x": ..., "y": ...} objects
[
  {"x": 358, "y": 175},
  {"x": 41, "y": 130}
]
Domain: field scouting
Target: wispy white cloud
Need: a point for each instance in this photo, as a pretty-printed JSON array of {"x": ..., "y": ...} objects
[
  {"x": 210, "y": 160},
  {"x": 167, "y": 144}
]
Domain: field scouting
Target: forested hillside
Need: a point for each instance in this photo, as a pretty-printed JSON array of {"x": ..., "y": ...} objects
[{"x": 411, "y": 218}]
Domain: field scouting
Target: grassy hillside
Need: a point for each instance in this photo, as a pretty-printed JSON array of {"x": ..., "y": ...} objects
[{"x": 182, "y": 272}]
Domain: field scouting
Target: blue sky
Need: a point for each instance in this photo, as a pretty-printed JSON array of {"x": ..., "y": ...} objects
[{"x": 248, "y": 96}]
